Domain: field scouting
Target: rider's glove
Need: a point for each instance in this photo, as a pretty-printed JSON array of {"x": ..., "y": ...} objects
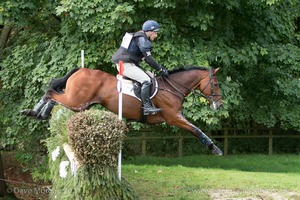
[{"x": 164, "y": 72}]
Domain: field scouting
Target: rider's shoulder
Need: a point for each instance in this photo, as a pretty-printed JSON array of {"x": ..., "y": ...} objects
[{"x": 140, "y": 34}]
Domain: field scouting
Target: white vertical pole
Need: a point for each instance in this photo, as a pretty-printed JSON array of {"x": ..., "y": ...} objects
[
  {"x": 82, "y": 58},
  {"x": 120, "y": 77}
]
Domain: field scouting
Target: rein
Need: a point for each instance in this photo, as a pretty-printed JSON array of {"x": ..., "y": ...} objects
[
  {"x": 194, "y": 92},
  {"x": 174, "y": 87}
]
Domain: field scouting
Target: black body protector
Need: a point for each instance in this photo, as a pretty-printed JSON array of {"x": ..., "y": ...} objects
[{"x": 139, "y": 48}]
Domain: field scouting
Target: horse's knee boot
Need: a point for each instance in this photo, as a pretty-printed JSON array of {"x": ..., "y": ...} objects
[
  {"x": 206, "y": 140},
  {"x": 210, "y": 145},
  {"x": 45, "y": 112},
  {"x": 35, "y": 111}
]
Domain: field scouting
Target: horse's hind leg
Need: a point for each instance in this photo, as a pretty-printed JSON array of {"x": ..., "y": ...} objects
[
  {"x": 45, "y": 112},
  {"x": 41, "y": 110},
  {"x": 36, "y": 110}
]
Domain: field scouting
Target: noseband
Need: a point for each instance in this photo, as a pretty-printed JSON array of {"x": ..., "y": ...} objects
[{"x": 181, "y": 94}]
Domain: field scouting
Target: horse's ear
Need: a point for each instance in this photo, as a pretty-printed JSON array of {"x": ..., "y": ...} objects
[{"x": 216, "y": 70}]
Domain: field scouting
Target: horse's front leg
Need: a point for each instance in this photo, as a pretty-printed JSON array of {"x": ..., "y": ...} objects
[{"x": 181, "y": 122}]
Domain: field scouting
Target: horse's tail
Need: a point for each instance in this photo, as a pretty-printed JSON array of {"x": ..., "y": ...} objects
[{"x": 58, "y": 84}]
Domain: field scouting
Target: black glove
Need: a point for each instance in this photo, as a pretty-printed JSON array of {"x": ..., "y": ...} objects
[{"x": 164, "y": 72}]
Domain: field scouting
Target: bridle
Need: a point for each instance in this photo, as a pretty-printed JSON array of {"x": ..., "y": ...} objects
[
  {"x": 195, "y": 93},
  {"x": 212, "y": 93}
]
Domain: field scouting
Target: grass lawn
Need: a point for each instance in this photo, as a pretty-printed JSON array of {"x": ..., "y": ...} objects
[{"x": 211, "y": 177}]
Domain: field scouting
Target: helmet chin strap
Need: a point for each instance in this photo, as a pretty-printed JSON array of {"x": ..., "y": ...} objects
[{"x": 148, "y": 34}]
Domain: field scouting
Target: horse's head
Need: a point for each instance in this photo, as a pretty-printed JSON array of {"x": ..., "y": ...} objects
[{"x": 209, "y": 86}]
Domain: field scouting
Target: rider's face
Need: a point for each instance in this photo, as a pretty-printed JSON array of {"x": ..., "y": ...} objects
[{"x": 152, "y": 35}]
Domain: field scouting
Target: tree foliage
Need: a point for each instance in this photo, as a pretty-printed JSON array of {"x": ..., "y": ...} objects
[{"x": 256, "y": 43}]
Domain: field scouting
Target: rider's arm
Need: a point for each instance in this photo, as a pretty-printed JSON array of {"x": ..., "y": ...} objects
[
  {"x": 145, "y": 47},
  {"x": 150, "y": 60}
]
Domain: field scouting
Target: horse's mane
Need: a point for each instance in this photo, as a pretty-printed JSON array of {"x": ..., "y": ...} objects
[{"x": 188, "y": 68}]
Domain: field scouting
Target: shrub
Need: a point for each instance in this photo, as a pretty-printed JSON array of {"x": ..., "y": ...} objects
[{"x": 95, "y": 138}]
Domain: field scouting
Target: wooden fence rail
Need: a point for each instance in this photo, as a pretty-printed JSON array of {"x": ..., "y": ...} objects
[{"x": 226, "y": 136}]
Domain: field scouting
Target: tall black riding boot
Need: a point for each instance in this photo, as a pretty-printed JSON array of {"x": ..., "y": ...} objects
[
  {"x": 35, "y": 111},
  {"x": 45, "y": 113},
  {"x": 145, "y": 96}
]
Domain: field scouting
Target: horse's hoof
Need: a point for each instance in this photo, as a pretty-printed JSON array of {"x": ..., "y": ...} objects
[
  {"x": 25, "y": 112},
  {"x": 216, "y": 151},
  {"x": 42, "y": 117},
  {"x": 29, "y": 113}
]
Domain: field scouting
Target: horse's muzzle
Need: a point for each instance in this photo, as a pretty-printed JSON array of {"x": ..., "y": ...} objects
[{"x": 215, "y": 105}]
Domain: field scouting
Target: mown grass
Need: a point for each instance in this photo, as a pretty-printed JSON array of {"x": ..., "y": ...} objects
[{"x": 194, "y": 177}]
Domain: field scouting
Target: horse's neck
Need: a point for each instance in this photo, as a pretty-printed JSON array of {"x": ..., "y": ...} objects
[{"x": 190, "y": 79}]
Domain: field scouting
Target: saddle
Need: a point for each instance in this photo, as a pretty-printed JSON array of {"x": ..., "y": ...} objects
[{"x": 133, "y": 87}]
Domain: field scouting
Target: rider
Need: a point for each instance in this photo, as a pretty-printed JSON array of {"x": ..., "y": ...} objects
[{"x": 134, "y": 48}]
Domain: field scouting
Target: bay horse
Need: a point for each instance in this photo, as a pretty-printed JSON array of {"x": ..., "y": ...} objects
[{"x": 82, "y": 87}]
